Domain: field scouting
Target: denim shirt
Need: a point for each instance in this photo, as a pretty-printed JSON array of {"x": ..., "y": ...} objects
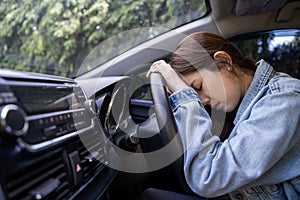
[{"x": 261, "y": 157}]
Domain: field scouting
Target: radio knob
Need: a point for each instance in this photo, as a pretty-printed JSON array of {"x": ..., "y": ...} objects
[{"x": 13, "y": 120}]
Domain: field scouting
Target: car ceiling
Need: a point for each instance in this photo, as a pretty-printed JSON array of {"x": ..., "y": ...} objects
[{"x": 230, "y": 22}]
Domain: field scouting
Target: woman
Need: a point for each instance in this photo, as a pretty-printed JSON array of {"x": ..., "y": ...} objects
[{"x": 260, "y": 158}]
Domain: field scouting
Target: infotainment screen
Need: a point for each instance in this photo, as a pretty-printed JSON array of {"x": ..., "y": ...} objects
[{"x": 41, "y": 99}]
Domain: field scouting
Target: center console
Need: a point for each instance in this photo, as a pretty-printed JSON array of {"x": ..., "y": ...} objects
[{"x": 42, "y": 119}]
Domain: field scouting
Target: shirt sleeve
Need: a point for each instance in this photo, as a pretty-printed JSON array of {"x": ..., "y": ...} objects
[{"x": 213, "y": 168}]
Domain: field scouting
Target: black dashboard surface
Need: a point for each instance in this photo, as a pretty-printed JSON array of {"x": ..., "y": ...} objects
[{"x": 51, "y": 143}]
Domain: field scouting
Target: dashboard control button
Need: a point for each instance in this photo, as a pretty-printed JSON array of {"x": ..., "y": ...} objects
[
  {"x": 13, "y": 120},
  {"x": 76, "y": 167}
]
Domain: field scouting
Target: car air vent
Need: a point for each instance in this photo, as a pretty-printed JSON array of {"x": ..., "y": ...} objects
[
  {"x": 92, "y": 155},
  {"x": 44, "y": 180}
]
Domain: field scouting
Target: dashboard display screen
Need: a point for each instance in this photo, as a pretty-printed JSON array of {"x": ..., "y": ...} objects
[{"x": 39, "y": 99}]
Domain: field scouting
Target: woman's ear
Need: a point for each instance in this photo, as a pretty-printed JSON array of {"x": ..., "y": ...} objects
[{"x": 223, "y": 57}]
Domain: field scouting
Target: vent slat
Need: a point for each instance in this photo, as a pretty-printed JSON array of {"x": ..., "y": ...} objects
[
  {"x": 22, "y": 183},
  {"x": 62, "y": 191},
  {"x": 28, "y": 174},
  {"x": 93, "y": 144},
  {"x": 90, "y": 168},
  {"x": 33, "y": 182}
]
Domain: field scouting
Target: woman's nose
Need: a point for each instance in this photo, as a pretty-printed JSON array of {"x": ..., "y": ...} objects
[{"x": 204, "y": 99}]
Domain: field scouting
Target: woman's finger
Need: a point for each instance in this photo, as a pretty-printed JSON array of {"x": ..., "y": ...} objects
[{"x": 155, "y": 67}]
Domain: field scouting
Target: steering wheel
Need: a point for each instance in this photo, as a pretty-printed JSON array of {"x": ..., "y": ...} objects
[{"x": 167, "y": 124}]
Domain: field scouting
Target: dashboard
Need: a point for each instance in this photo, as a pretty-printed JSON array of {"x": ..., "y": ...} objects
[{"x": 55, "y": 137}]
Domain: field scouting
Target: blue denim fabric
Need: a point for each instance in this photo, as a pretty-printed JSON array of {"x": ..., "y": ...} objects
[{"x": 260, "y": 159}]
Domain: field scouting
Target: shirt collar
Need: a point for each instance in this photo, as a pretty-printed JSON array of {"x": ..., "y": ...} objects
[{"x": 264, "y": 72}]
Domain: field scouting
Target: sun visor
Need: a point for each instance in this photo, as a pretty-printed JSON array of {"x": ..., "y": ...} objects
[{"x": 243, "y": 7}]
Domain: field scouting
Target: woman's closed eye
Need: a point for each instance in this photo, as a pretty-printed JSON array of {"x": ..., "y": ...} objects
[{"x": 197, "y": 87}]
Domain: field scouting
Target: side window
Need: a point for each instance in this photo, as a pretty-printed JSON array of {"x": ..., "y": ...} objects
[{"x": 279, "y": 48}]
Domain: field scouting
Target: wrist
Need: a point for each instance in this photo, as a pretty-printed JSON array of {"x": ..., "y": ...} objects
[{"x": 178, "y": 85}]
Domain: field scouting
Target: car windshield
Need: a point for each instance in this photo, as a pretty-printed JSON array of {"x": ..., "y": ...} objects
[{"x": 55, "y": 37}]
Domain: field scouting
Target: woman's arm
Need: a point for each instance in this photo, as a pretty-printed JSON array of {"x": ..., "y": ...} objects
[{"x": 257, "y": 143}]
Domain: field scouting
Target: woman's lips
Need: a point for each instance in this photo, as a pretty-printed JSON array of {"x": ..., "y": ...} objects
[{"x": 218, "y": 106}]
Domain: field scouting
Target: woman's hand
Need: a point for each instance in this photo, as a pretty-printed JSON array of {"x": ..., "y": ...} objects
[{"x": 173, "y": 81}]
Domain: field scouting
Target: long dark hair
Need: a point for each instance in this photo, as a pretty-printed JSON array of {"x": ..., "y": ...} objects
[{"x": 197, "y": 50}]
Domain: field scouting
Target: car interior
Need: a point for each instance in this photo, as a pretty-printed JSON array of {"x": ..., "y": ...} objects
[{"x": 98, "y": 135}]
